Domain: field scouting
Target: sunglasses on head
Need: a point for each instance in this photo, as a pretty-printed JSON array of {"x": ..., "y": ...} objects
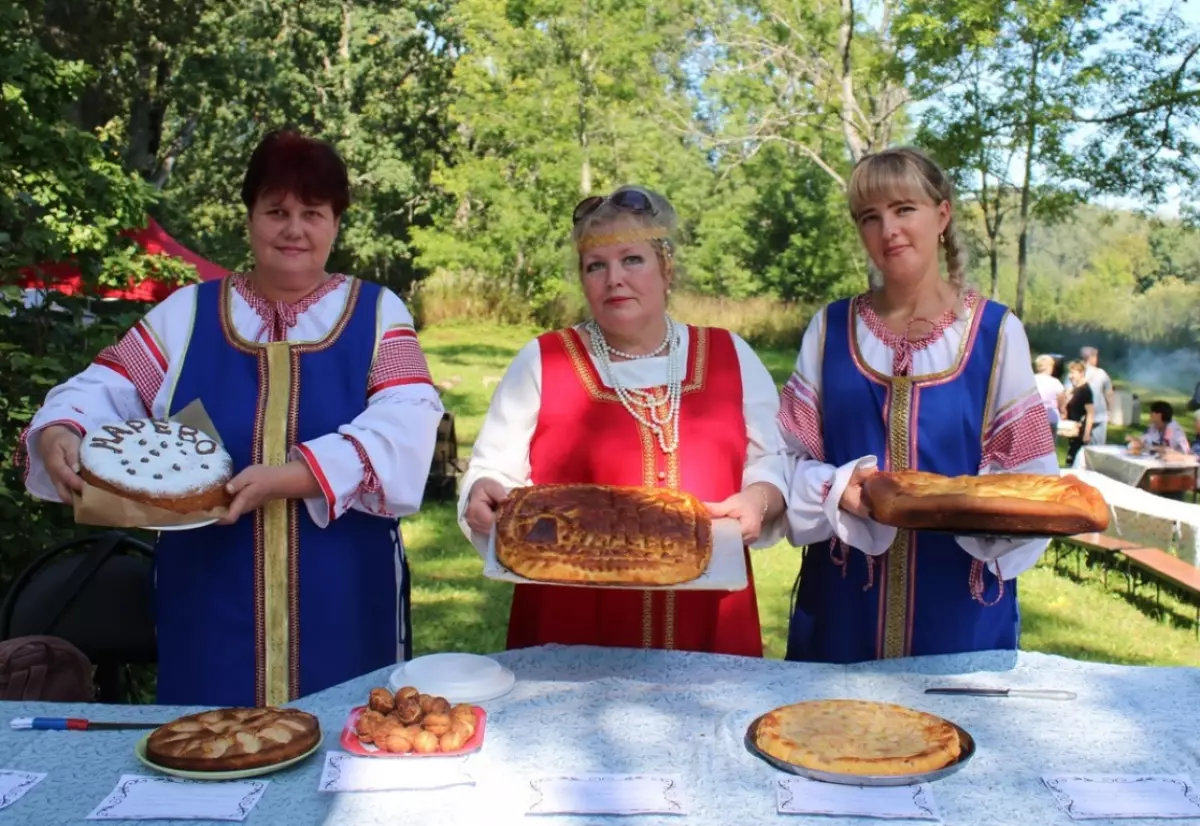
[{"x": 627, "y": 200}]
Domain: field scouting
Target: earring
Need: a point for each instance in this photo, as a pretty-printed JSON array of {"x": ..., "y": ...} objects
[{"x": 942, "y": 238}]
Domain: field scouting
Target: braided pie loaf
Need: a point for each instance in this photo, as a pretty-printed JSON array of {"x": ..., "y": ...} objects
[{"x": 604, "y": 535}]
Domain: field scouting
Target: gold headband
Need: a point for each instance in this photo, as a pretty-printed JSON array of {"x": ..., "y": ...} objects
[{"x": 631, "y": 236}]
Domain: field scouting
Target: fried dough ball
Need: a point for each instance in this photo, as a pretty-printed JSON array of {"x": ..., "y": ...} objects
[
  {"x": 413, "y": 731},
  {"x": 437, "y": 724},
  {"x": 407, "y": 693},
  {"x": 453, "y": 740},
  {"x": 426, "y": 701},
  {"x": 368, "y": 721},
  {"x": 381, "y": 700},
  {"x": 408, "y": 712},
  {"x": 395, "y": 740},
  {"x": 465, "y": 709},
  {"x": 467, "y": 727},
  {"x": 439, "y": 706},
  {"x": 425, "y": 743},
  {"x": 387, "y": 729}
]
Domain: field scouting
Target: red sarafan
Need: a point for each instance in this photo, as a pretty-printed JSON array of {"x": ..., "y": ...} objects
[{"x": 287, "y": 161}]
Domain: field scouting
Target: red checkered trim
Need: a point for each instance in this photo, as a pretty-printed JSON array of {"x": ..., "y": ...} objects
[
  {"x": 901, "y": 345},
  {"x": 278, "y": 316},
  {"x": 826, "y": 489},
  {"x": 977, "y": 586},
  {"x": 370, "y": 480},
  {"x": 1019, "y": 435},
  {"x": 138, "y": 358},
  {"x": 398, "y": 362},
  {"x": 798, "y": 416},
  {"x": 315, "y": 467}
]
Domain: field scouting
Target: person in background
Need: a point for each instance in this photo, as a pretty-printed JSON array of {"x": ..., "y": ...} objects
[
  {"x": 1102, "y": 394},
  {"x": 1164, "y": 431},
  {"x": 318, "y": 388},
  {"x": 1079, "y": 409},
  {"x": 919, "y": 373},
  {"x": 1050, "y": 390},
  {"x": 1196, "y": 436}
]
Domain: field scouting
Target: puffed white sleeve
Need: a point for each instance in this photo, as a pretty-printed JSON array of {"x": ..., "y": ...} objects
[
  {"x": 127, "y": 380},
  {"x": 501, "y": 451},
  {"x": 766, "y": 457},
  {"x": 1016, "y": 440},
  {"x": 816, "y": 487},
  {"x": 378, "y": 463}
]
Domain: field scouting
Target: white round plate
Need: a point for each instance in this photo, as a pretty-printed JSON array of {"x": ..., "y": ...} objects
[
  {"x": 460, "y": 678},
  {"x": 188, "y": 527}
]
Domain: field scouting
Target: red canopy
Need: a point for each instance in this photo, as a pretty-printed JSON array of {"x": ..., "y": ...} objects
[{"x": 64, "y": 277}]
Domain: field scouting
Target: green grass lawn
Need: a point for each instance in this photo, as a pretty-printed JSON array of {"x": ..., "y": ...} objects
[{"x": 456, "y": 609}]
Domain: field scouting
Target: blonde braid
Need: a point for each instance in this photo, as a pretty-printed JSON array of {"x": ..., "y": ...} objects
[{"x": 956, "y": 257}]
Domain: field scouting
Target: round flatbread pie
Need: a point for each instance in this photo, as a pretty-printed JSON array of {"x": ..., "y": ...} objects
[
  {"x": 858, "y": 737},
  {"x": 232, "y": 739}
]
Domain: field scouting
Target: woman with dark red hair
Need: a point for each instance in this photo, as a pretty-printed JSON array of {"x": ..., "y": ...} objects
[{"x": 320, "y": 392}]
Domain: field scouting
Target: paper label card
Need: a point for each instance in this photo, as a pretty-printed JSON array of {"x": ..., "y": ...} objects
[
  {"x": 613, "y": 794},
  {"x": 800, "y": 796},
  {"x": 14, "y": 785},
  {"x": 1106, "y": 796},
  {"x": 347, "y": 773},
  {"x": 138, "y": 797}
]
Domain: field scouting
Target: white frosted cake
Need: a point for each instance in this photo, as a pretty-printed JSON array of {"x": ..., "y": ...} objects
[{"x": 158, "y": 462}]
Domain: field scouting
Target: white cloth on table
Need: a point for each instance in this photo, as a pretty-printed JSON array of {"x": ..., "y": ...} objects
[
  {"x": 501, "y": 451},
  {"x": 817, "y": 486},
  {"x": 396, "y": 431}
]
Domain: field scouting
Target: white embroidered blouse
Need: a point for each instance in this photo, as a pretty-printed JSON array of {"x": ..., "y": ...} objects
[
  {"x": 378, "y": 463},
  {"x": 502, "y": 450}
]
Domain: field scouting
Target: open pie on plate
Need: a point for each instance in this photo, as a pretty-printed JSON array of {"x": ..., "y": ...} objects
[
  {"x": 604, "y": 535},
  {"x": 1000, "y": 503},
  {"x": 233, "y": 739},
  {"x": 858, "y": 737}
]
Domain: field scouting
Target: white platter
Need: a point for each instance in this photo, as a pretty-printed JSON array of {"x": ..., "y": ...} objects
[
  {"x": 460, "y": 678},
  {"x": 726, "y": 570},
  {"x": 187, "y": 527}
]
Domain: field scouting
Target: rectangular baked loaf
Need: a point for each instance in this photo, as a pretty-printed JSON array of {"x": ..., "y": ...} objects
[
  {"x": 1002, "y": 503},
  {"x": 604, "y": 535}
]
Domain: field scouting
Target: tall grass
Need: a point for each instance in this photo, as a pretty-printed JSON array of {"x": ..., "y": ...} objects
[{"x": 446, "y": 297}]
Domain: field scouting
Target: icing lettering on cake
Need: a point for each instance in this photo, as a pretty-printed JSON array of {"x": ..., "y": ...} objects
[{"x": 157, "y": 456}]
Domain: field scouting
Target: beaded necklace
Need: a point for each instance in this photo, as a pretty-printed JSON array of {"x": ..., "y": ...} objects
[{"x": 643, "y": 405}]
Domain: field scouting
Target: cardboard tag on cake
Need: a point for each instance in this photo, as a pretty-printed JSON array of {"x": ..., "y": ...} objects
[{"x": 96, "y": 506}]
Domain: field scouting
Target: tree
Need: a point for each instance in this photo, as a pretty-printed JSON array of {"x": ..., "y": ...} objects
[
  {"x": 1045, "y": 119},
  {"x": 555, "y": 100}
]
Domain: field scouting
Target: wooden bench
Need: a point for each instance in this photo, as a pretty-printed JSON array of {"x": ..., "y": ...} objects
[
  {"x": 1164, "y": 568},
  {"x": 1097, "y": 542}
]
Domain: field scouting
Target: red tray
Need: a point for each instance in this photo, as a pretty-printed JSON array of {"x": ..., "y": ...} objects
[{"x": 352, "y": 744}]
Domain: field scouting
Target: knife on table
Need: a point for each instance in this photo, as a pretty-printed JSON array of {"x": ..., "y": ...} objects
[
  {"x": 1030, "y": 693},
  {"x": 73, "y": 724}
]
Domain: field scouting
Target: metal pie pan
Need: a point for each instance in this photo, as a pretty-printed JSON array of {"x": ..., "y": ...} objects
[{"x": 968, "y": 751}]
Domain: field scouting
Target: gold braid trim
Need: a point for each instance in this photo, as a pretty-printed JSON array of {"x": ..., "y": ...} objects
[{"x": 630, "y": 236}]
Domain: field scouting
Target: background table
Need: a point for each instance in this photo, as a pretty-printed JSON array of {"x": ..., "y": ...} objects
[
  {"x": 1146, "y": 519},
  {"x": 582, "y": 709},
  {"x": 1115, "y": 462}
]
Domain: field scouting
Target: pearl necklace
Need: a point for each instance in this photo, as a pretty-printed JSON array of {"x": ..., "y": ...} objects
[{"x": 645, "y": 406}]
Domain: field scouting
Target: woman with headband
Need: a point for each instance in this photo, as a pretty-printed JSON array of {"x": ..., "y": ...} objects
[{"x": 665, "y": 405}]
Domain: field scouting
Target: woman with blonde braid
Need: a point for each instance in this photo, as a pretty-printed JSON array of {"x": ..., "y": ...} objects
[{"x": 918, "y": 373}]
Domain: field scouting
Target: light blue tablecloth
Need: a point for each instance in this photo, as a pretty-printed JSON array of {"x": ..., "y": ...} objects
[{"x": 619, "y": 710}]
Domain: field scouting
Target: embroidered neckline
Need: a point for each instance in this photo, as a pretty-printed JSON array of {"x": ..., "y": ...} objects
[
  {"x": 278, "y": 316},
  {"x": 901, "y": 346}
]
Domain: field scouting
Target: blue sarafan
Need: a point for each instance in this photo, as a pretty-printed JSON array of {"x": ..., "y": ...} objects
[
  {"x": 244, "y": 613},
  {"x": 916, "y": 599}
]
